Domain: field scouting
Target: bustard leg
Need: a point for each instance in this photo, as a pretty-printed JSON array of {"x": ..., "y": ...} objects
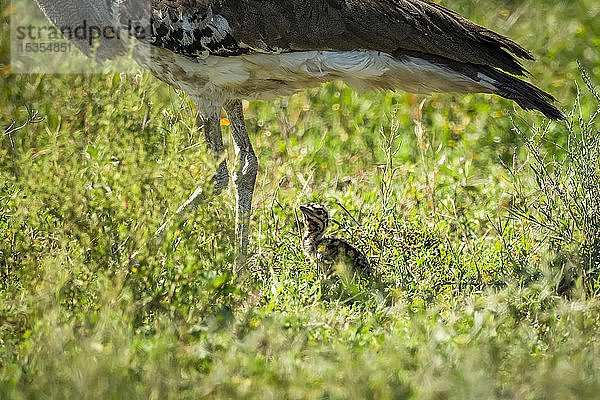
[
  {"x": 244, "y": 177},
  {"x": 214, "y": 143}
]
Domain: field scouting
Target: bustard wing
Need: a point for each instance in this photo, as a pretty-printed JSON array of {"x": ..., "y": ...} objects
[
  {"x": 402, "y": 28},
  {"x": 188, "y": 27},
  {"x": 390, "y": 26},
  {"x": 233, "y": 27}
]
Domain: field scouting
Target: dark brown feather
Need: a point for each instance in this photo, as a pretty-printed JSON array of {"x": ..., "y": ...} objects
[{"x": 384, "y": 25}]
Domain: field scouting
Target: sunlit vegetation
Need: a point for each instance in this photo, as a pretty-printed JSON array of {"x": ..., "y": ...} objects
[{"x": 482, "y": 220}]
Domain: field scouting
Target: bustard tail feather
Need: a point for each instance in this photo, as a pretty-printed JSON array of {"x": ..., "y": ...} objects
[
  {"x": 496, "y": 81},
  {"x": 523, "y": 93}
]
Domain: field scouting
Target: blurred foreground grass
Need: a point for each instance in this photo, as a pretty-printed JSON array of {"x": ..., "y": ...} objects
[{"x": 475, "y": 302}]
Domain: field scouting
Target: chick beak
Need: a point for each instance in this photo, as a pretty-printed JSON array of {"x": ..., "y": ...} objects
[{"x": 306, "y": 211}]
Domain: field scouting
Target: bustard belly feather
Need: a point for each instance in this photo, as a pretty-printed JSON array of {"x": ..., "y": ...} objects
[{"x": 214, "y": 80}]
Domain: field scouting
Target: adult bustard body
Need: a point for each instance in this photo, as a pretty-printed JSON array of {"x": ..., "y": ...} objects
[{"x": 221, "y": 51}]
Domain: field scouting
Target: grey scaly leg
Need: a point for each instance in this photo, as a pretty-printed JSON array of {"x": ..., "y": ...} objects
[
  {"x": 244, "y": 176},
  {"x": 214, "y": 142}
]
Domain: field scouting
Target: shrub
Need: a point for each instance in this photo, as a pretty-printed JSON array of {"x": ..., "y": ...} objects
[{"x": 563, "y": 211}]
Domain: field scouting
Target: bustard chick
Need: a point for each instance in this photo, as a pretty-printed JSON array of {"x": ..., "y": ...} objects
[{"x": 329, "y": 252}]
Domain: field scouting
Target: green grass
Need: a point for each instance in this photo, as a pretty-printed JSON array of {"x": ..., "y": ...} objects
[{"x": 480, "y": 296}]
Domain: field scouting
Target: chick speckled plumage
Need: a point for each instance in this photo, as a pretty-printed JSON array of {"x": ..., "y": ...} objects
[{"x": 329, "y": 251}]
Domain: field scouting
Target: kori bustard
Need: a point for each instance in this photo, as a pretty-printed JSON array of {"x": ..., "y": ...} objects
[
  {"x": 328, "y": 251},
  {"x": 222, "y": 51}
]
